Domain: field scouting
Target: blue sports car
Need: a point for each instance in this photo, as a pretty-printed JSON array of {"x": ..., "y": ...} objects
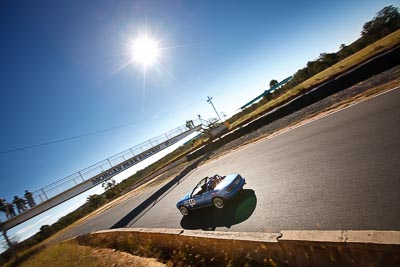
[{"x": 211, "y": 191}]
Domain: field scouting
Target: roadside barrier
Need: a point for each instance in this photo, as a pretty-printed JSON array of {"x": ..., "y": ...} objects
[
  {"x": 287, "y": 248},
  {"x": 359, "y": 73}
]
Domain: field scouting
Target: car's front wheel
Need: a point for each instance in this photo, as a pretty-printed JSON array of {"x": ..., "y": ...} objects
[
  {"x": 184, "y": 211},
  {"x": 218, "y": 202}
]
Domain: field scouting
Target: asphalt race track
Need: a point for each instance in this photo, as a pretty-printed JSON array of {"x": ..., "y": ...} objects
[{"x": 338, "y": 172}]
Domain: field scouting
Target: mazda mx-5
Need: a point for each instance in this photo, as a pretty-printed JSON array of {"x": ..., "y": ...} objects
[{"x": 211, "y": 191}]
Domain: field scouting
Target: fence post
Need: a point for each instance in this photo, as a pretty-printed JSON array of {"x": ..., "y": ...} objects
[
  {"x": 80, "y": 174},
  {"x": 44, "y": 193},
  {"x": 109, "y": 162}
]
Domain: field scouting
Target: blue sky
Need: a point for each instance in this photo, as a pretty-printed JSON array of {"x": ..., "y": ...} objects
[{"x": 61, "y": 77}]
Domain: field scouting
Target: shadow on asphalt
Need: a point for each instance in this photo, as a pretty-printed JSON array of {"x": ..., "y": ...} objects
[
  {"x": 236, "y": 211},
  {"x": 156, "y": 196}
]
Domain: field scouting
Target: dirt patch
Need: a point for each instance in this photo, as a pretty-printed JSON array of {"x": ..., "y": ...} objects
[
  {"x": 71, "y": 254},
  {"x": 183, "y": 251}
]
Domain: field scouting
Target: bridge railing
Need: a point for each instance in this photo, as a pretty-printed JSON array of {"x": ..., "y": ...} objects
[{"x": 62, "y": 185}]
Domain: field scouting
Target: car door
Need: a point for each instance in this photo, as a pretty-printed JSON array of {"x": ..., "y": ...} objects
[
  {"x": 200, "y": 199},
  {"x": 204, "y": 199}
]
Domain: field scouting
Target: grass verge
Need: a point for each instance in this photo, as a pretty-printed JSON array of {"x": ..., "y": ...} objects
[
  {"x": 385, "y": 44},
  {"x": 70, "y": 253}
]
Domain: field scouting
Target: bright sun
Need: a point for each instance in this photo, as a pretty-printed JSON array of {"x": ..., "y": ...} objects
[{"x": 145, "y": 51}]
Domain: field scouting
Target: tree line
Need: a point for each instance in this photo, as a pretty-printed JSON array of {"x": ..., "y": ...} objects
[{"x": 384, "y": 23}]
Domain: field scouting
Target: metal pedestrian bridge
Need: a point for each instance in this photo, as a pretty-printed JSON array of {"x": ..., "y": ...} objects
[{"x": 83, "y": 180}]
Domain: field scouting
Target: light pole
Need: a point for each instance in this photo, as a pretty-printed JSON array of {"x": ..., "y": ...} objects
[{"x": 209, "y": 101}]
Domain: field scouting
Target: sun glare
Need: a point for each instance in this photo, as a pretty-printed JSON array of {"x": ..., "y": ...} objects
[{"x": 145, "y": 51}]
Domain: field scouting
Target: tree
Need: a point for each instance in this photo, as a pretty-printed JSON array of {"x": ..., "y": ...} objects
[
  {"x": 328, "y": 59},
  {"x": 46, "y": 230},
  {"x": 386, "y": 21},
  {"x": 109, "y": 184},
  {"x": 272, "y": 83},
  {"x": 344, "y": 51},
  {"x": 111, "y": 189},
  {"x": 96, "y": 201}
]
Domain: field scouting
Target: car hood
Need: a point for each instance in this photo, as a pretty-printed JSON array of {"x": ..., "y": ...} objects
[
  {"x": 185, "y": 197},
  {"x": 227, "y": 181}
]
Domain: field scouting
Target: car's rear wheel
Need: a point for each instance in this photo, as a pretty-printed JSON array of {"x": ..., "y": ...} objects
[
  {"x": 218, "y": 202},
  {"x": 184, "y": 211}
]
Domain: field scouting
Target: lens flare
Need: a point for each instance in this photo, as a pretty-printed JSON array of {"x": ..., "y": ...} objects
[{"x": 145, "y": 51}]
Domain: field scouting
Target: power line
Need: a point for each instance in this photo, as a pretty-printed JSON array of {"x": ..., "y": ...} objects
[
  {"x": 88, "y": 134},
  {"x": 84, "y": 135},
  {"x": 70, "y": 138}
]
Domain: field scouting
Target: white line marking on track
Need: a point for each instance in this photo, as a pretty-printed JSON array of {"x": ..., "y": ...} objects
[{"x": 300, "y": 124}]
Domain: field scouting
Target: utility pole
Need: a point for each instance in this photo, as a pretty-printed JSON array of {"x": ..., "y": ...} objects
[{"x": 209, "y": 101}]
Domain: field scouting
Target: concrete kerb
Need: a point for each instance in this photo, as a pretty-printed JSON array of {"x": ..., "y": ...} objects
[
  {"x": 287, "y": 248},
  {"x": 351, "y": 236},
  {"x": 336, "y": 236},
  {"x": 243, "y": 236}
]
